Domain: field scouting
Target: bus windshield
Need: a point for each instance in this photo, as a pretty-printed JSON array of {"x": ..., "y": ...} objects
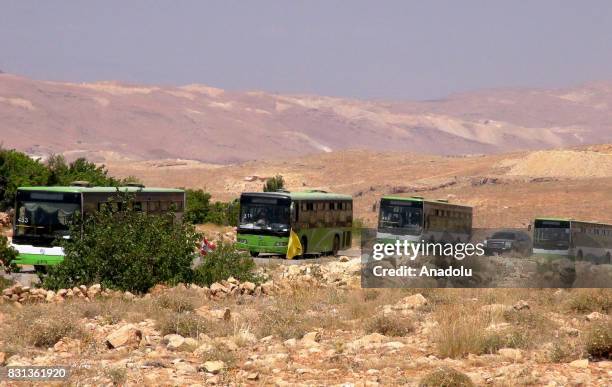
[
  {"x": 42, "y": 217},
  {"x": 401, "y": 217},
  {"x": 266, "y": 214},
  {"x": 552, "y": 235}
]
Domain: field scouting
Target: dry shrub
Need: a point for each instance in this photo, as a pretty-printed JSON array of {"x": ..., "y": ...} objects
[
  {"x": 446, "y": 377},
  {"x": 590, "y": 300},
  {"x": 390, "y": 325},
  {"x": 598, "y": 342},
  {"x": 220, "y": 352},
  {"x": 177, "y": 300},
  {"x": 43, "y": 325},
  {"x": 184, "y": 324},
  {"x": 462, "y": 330},
  {"x": 117, "y": 375},
  {"x": 287, "y": 316},
  {"x": 563, "y": 351}
]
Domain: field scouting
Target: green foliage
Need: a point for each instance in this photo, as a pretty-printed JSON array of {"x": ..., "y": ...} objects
[
  {"x": 274, "y": 184},
  {"x": 18, "y": 169},
  {"x": 127, "y": 250},
  {"x": 200, "y": 210},
  {"x": 7, "y": 254},
  {"x": 197, "y": 206},
  {"x": 224, "y": 262},
  {"x": 61, "y": 173}
]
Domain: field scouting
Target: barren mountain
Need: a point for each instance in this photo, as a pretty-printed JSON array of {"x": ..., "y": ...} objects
[{"x": 113, "y": 121}]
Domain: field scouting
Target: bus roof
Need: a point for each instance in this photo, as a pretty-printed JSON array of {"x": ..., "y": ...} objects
[
  {"x": 554, "y": 219},
  {"x": 421, "y": 199},
  {"x": 302, "y": 195},
  {"x": 77, "y": 189},
  {"x": 574, "y": 221}
]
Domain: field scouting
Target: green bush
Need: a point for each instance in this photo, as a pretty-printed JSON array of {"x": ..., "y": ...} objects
[
  {"x": 224, "y": 262},
  {"x": 199, "y": 209},
  {"x": 274, "y": 184},
  {"x": 7, "y": 254},
  {"x": 62, "y": 173},
  {"x": 18, "y": 169},
  {"x": 127, "y": 250}
]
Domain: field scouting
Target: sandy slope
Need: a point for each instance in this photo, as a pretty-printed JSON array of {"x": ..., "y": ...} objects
[{"x": 506, "y": 190}]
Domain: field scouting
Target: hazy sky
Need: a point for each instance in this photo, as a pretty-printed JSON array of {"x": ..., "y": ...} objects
[{"x": 366, "y": 49}]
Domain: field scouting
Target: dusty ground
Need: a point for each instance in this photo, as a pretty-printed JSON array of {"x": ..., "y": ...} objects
[
  {"x": 506, "y": 190},
  {"x": 318, "y": 328}
]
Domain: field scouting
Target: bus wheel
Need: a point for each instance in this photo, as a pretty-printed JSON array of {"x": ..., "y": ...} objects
[
  {"x": 40, "y": 269},
  {"x": 580, "y": 256},
  {"x": 336, "y": 246},
  {"x": 304, "y": 242},
  {"x": 608, "y": 259},
  {"x": 254, "y": 253}
]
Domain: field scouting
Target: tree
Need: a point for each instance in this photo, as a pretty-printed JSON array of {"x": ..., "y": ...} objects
[
  {"x": 197, "y": 206},
  {"x": 125, "y": 249},
  {"x": 274, "y": 184},
  {"x": 199, "y": 209},
  {"x": 62, "y": 173},
  {"x": 18, "y": 169}
]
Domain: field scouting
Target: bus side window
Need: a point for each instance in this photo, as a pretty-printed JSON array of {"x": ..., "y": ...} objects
[{"x": 137, "y": 206}]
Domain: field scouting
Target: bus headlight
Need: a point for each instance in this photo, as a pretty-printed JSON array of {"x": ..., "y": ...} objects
[
  {"x": 280, "y": 244},
  {"x": 243, "y": 241}
]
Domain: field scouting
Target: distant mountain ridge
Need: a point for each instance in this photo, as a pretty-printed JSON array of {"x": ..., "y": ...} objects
[{"x": 115, "y": 121}]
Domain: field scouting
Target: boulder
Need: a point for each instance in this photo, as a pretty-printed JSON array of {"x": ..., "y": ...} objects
[
  {"x": 213, "y": 366},
  {"x": 311, "y": 337},
  {"x": 126, "y": 336},
  {"x": 248, "y": 286},
  {"x": 520, "y": 305},
  {"x": 581, "y": 363},
  {"x": 412, "y": 302},
  {"x": 594, "y": 316},
  {"x": 174, "y": 341}
]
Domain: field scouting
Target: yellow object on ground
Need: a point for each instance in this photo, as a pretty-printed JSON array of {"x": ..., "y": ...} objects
[{"x": 294, "y": 247}]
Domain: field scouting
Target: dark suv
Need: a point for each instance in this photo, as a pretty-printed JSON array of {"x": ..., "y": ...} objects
[{"x": 508, "y": 241}]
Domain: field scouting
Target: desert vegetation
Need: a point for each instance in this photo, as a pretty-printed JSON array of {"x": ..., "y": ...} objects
[{"x": 315, "y": 325}]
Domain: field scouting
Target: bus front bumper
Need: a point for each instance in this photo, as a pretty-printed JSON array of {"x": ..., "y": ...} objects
[{"x": 262, "y": 243}]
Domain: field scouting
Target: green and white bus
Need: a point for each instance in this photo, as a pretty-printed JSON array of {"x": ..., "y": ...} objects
[
  {"x": 322, "y": 221},
  {"x": 43, "y": 214},
  {"x": 417, "y": 219},
  {"x": 573, "y": 239}
]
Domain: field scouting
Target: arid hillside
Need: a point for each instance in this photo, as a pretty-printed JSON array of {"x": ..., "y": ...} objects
[
  {"x": 506, "y": 190},
  {"x": 110, "y": 121}
]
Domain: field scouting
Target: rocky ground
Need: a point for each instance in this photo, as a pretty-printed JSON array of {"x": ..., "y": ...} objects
[{"x": 311, "y": 324}]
